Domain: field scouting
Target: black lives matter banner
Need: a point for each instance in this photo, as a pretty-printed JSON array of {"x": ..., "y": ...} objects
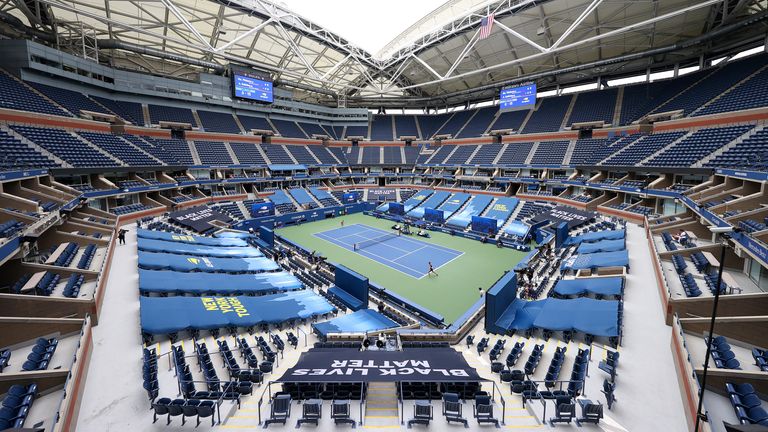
[
  {"x": 198, "y": 218},
  {"x": 348, "y": 365},
  {"x": 570, "y": 215}
]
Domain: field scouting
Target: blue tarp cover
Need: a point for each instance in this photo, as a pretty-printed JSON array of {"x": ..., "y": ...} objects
[
  {"x": 364, "y": 320},
  {"x": 197, "y": 240},
  {"x": 162, "y": 315},
  {"x": 433, "y": 201},
  {"x": 517, "y": 228},
  {"x": 602, "y": 246},
  {"x": 416, "y": 199},
  {"x": 233, "y": 234},
  {"x": 454, "y": 203},
  {"x": 186, "y": 263},
  {"x": 191, "y": 249},
  {"x": 595, "y": 236},
  {"x": 586, "y": 315},
  {"x": 598, "y": 285},
  {"x": 165, "y": 281},
  {"x": 474, "y": 208},
  {"x": 502, "y": 209},
  {"x": 595, "y": 260}
]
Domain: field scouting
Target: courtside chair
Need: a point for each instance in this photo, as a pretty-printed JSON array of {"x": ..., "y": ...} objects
[
  {"x": 311, "y": 412},
  {"x": 280, "y": 410},
  {"x": 205, "y": 409},
  {"x": 422, "y": 413},
  {"x": 483, "y": 410},
  {"x": 565, "y": 411},
  {"x": 189, "y": 409},
  {"x": 340, "y": 413}
]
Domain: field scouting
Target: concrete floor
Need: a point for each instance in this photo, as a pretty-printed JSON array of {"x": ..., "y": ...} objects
[{"x": 647, "y": 390}]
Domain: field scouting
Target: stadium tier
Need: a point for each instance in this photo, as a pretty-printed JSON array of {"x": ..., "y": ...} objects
[{"x": 538, "y": 216}]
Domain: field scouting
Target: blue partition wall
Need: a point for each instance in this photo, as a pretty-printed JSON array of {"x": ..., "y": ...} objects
[
  {"x": 353, "y": 283},
  {"x": 362, "y": 321},
  {"x": 501, "y": 296}
]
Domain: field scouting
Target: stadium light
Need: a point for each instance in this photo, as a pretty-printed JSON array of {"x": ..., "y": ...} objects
[{"x": 724, "y": 232}]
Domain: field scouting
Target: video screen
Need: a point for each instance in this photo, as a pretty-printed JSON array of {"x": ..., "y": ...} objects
[{"x": 520, "y": 97}]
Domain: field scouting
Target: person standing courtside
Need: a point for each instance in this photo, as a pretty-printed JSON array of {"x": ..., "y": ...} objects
[{"x": 121, "y": 235}]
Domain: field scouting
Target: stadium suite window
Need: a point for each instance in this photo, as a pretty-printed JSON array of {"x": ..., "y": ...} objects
[{"x": 758, "y": 274}]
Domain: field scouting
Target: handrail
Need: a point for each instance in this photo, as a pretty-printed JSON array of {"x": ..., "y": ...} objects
[{"x": 299, "y": 330}]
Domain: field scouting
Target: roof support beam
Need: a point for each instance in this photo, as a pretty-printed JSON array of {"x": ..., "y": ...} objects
[
  {"x": 520, "y": 36},
  {"x": 467, "y": 48},
  {"x": 177, "y": 13},
  {"x": 592, "y": 6}
]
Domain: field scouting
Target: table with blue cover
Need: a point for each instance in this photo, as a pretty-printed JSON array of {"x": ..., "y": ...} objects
[
  {"x": 596, "y": 260},
  {"x": 596, "y": 285},
  {"x": 592, "y": 237},
  {"x": 364, "y": 320},
  {"x": 602, "y": 246},
  {"x": 188, "y": 263},
  {"x": 151, "y": 245},
  {"x": 164, "y": 315},
  {"x": 586, "y": 315},
  {"x": 172, "y": 282},
  {"x": 197, "y": 240}
]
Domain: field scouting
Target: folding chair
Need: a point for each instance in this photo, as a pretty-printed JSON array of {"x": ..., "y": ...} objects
[
  {"x": 422, "y": 413},
  {"x": 340, "y": 413},
  {"x": 175, "y": 408},
  {"x": 280, "y": 410},
  {"x": 452, "y": 410},
  {"x": 311, "y": 412},
  {"x": 483, "y": 410},
  {"x": 189, "y": 410},
  {"x": 590, "y": 412},
  {"x": 565, "y": 411}
]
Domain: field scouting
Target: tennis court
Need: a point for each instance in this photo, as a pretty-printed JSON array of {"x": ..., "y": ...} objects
[{"x": 405, "y": 254}]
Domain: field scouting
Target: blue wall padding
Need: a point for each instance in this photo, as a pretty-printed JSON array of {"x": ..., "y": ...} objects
[
  {"x": 185, "y": 263},
  {"x": 204, "y": 241},
  {"x": 163, "y": 315},
  {"x": 171, "y": 282}
]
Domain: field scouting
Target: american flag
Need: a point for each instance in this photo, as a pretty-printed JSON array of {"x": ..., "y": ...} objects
[{"x": 486, "y": 25}]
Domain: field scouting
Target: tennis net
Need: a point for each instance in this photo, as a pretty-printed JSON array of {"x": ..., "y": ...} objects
[{"x": 376, "y": 240}]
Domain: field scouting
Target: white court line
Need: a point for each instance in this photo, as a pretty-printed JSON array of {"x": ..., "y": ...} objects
[{"x": 411, "y": 252}]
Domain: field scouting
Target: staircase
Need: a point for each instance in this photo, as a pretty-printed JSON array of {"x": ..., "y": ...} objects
[
  {"x": 617, "y": 108},
  {"x": 239, "y": 125},
  {"x": 569, "y": 152},
  {"x": 568, "y": 112},
  {"x": 490, "y": 206},
  {"x": 193, "y": 151},
  {"x": 501, "y": 152},
  {"x": 290, "y": 155},
  {"x": 197, "y": 119},
  {"x": 665, "y": 148},
  {"x": 139, "y": 149},
  {"x": 727, "y": 147},
  {"x": 98, "y": 149},
  {"x": 528, "y": 117},
  {"x": 231, "y": 154},
  {"x": 246, "y": 211},
  {"x": 531, "y": 153},
  {"x": 381, "y": 407},
  {"x": 461, "y": 129}
]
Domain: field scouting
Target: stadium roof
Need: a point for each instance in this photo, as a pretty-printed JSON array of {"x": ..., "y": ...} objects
[{"x": 439, "y": 60}]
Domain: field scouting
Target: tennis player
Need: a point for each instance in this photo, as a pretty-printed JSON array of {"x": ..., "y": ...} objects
[
  {"x": 432, "y": 270},
  {"x": 354, "y": 247}
]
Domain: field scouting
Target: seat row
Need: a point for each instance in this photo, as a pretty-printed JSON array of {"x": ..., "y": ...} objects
[
  {"x": 747, "y": 404},
  {"x": 16, "y": 405},
  {"x": 40, "y": 357}
]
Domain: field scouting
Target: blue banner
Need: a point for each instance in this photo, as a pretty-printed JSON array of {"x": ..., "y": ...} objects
[
  {"x": 350, "y": 197},
  {"x": 261, "y": 209}
]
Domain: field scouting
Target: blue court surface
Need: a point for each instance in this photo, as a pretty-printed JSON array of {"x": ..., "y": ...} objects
[{"x": 405, "y": 254}]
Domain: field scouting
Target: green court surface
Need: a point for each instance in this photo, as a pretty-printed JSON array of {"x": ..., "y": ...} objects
[{"x": 450, "y": 294}]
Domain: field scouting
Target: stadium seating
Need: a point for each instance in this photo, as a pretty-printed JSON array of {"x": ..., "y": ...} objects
[
  {"x": 18, "y": 96},
  {"x": 749, "y": 154},
  {"x": 218, "y": 122},
  {"x": 176, "y": 148},
  {"x": 312, "y": 129},
  {"x": 129, "y": 111},
  {"x": 154, "y": 149},
  {"x": 430, "y": 124},
  {"x": 72, "y": 101},
  {"x": 356, "y": 131},
  {"x": 550, "y": 153},
  {"x": 750, "y": 94},
  {"x": 213, "y": 153},
  {"x": 66, "y": 146},
  {"x": 288, "y": 128},
  {"x": 642, "y": 148},
  {"x": 405, "y": 125},
  {"x": 697, "y": 145},
  {"x": 158, "y": 113},
  {"x": 276, "y": 154},
  {"x": 549, "y": 114},
  {"x": 249, "y": 123},
  {"x": 120, "y": 149},
  {"x": 515, "y": 153},
  {"x": 381, "y": 128},
  {"x": 302, "y": 154},
  {"x": 479, "y": 123},
  {"x": 16, "y": 155},
  {"x": 594, "y": 106}
]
